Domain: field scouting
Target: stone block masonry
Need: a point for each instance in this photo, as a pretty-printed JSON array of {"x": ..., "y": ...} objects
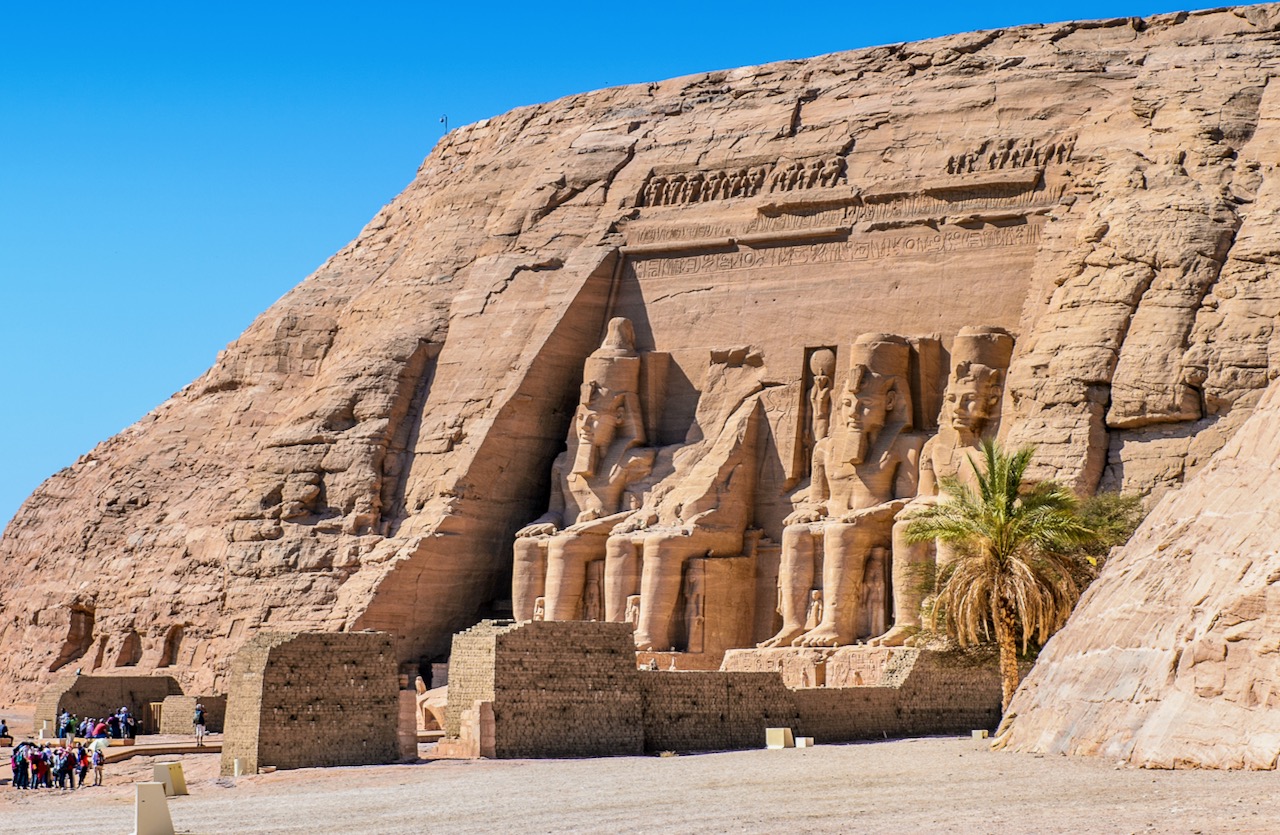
[
  {"x": 571, "y": 688},
  {"x": 308, "y": 699},
  {"x": 558, "y": 690},
  {"x": 99, "y": 696},
  {"x": 178, "y": 711}
]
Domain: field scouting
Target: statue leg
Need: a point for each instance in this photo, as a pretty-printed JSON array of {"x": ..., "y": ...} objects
[
  {"x": 844, "y": 557},
  {"x": 663, "y": 571},
  {"x": 621, "y": 576},
  {"x": 795, "y": 581},
  {"x": 529, "y": 575},
  {"x": 912, "y": 575},
  {"x": 567, "y": 558}
]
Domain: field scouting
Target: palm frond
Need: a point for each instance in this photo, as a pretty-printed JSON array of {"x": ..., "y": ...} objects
[{"x": 1013, "y": 542}]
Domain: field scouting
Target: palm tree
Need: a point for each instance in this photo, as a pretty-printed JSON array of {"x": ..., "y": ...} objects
[{"x": 1016, "y": 568}]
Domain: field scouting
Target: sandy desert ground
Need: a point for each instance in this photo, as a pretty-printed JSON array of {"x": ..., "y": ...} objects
[{"x": 940, "y": 784}]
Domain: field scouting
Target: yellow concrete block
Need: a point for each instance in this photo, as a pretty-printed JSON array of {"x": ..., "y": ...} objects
[
  {"x": 779, "y": 738},
  {"x": 151, "y": 811},
  {"x": 804, "y": 742},
  {"x": 982, "y": 734},
  {"x": 171, "y": 775}
]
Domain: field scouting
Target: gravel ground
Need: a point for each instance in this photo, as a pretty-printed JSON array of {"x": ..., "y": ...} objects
[{"x": 941, "y": 784}]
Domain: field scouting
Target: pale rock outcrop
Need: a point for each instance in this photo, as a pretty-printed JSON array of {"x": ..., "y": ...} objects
[{"x": 1172, "y": 657}]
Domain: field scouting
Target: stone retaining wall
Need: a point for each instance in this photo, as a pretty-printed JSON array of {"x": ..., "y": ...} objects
[
  {"x": 99, "y": 696},
  {"x": 572, "y": 689},
  {"x": 310, "y": 699},
  {"x": 178, "y": 711}
]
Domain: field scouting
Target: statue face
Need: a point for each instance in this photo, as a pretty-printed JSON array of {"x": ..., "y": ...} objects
[
  {"x": 595, "y": 427},
  {"x": 867, "y": 402},
  {"x": 972, "y": 401}
]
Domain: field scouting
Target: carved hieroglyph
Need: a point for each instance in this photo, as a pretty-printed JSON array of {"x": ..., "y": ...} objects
[
  {"x": 970, "y": 413},
  {"x": 862, "y": 472},
  {"x": 589, "y": 484},
  {"x": 363, "y": 455}
]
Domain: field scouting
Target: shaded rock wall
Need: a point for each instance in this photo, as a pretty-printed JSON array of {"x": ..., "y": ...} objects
[{"x": 361, "y": 456}]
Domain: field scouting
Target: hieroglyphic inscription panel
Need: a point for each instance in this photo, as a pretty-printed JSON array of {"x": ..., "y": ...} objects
[{"x": 914, "y": 243}]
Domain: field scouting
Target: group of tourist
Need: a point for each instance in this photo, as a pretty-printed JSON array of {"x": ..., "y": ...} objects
[
  {"x": 119, "y": 725},
  {"x": 45, "y": 767}
]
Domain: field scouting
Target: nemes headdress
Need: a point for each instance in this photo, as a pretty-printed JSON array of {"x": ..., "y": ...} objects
[
  {"x": 615, "y": 365},
  {"x": 987, "y": 346}
]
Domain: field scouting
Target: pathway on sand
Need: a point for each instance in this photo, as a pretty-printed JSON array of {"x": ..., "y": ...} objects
[{"x": 934, "y": 785}]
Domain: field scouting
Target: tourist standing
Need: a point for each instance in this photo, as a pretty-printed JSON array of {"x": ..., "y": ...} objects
[
  {"x": 198, "y": 721},
  {"x": 19, "y": 763},
  {"x": 98, "y": 762}
]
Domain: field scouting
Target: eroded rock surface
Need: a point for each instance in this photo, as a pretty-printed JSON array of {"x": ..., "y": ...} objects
[
  {"x": 363, "y": 455},
  {"x": 1172, "y": 657}
]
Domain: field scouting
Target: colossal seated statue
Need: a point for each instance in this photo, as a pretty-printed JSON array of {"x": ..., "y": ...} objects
[
  {"x": 700, "y": 509},
  {"x": 970, "y": 412},
  {"x": 589, "y": 483},
  {"x": 862, "y": 473}
]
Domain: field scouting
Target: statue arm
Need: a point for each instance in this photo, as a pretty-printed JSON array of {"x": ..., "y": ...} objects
[
  {"x": 927, "y": 487},
  {"x": 551, "y": 521},
  {"x": 601, "y": 523},
  {"x": 813, "y": 506},
  {"x": 907, "y": 481}
]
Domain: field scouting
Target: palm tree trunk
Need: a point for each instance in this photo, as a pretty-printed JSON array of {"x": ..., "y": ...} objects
[{"x": 1006, "y": 625}]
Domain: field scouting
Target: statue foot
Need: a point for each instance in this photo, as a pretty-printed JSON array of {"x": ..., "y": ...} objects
[
  {"x": 821, "y": 636},
  {"x": 895, "y": 637},
  {"x": 782, "y": 639}
]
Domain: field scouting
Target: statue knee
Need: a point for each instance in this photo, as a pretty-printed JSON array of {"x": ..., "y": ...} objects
[
  {"x": 619, "y": 548},
  {"x": 795, "y": 536}
]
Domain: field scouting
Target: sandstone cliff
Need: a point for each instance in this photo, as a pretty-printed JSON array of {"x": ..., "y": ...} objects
[
  {"x": 362, "y": 455},
  {"x": 1172, "y": 658}
]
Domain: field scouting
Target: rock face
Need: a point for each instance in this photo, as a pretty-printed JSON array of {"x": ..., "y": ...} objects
[
  {"x": 363, "y": 455},
  {"x": 1172, "y": 658}
]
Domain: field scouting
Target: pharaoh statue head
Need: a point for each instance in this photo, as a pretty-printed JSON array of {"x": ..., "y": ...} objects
[
  {"x": 877, "y": 394},
  {"x": 979, "y": 364},
  {"x": 609, "y": 405}
]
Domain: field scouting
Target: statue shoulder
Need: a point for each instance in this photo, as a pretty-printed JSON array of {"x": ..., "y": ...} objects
[{"x": 910, "y": 444}]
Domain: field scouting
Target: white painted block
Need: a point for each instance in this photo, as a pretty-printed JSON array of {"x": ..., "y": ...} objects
[
  {"x": 779, "y": 738},
  {"x": 151, "y": 811},
  {"x": 171, "y": 775}
]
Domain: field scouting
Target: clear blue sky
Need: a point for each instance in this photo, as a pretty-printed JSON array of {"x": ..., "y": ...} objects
[{"x": 169, "y": 169}]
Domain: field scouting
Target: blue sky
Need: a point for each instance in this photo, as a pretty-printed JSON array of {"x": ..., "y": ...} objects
[{"x": 168, "y": 170}]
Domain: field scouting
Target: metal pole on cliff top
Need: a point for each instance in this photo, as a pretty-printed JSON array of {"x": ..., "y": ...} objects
[{"x": 444, "y": 120}]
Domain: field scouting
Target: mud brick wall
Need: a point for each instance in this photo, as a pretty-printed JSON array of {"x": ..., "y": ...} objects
[
  {"x": 703, "y": 711},
  {"x": 571, "y": 689},
  {"x": 565, "y": 691},
  {"x": 471, "y": 661},
  {"x": 178, "y": 711},
  {"x": 924, "y": 693},
  {"x": 311, "y": 699},
  {"x": 98, "y": 696}
]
